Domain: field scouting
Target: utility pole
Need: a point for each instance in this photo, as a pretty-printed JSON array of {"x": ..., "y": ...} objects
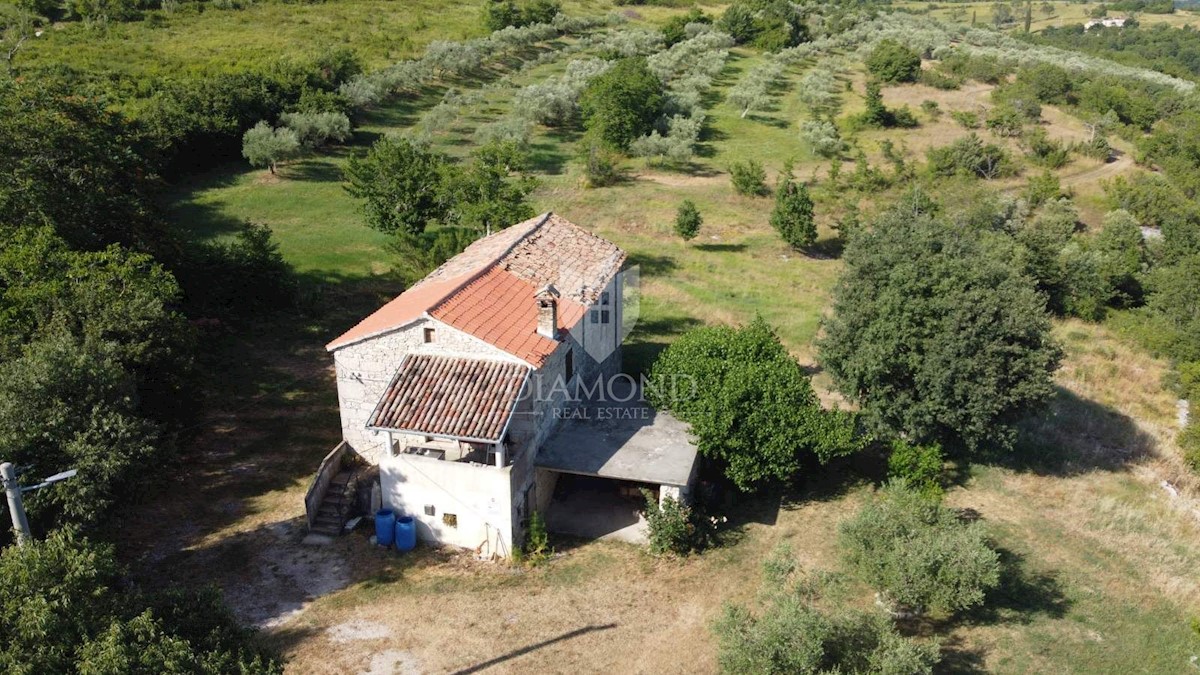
[{"x": 15, "y": 508}]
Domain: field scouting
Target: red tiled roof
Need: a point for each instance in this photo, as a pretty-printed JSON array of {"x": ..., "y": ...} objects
[
  {"x": 499, "y": 308},
  {"x": 436, "y": 395},
  {"x": 487, "y": 290}
]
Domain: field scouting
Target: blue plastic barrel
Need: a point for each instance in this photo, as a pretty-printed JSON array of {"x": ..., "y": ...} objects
[
  {"x": 406, "y": 534},
  {"x": 385, "y": 527}
]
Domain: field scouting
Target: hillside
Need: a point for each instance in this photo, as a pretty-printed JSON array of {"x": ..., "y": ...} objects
[{"x": 1097, "y": 518}]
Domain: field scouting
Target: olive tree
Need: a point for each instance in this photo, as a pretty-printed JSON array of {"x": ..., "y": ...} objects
[
  {"x": 918, "y": 553},
  {"x": 790, "y": 632},
  {"x": 265, "y": 146}
]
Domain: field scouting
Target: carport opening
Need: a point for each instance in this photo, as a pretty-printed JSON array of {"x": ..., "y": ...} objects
[{"x": 599, "y": 508}]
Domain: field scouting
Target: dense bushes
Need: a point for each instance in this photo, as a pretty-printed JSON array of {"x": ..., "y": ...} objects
[
  {"x": 673, "y": 527},
  {"x": 198, "y": 123},
  {"x": 919, "y": 554},
  {"x": 499, "y": 14},
  {"x": 748, "y": 178},
  {"x": 62, "y": 613},
  {"x": 770, "y": 25},
  {"x": 404, "y": 185},
  {"x": 891, "y": 61},
  {"x": 937, "y": 334},
  {"x": 72, "y": 164},
  {"x": 623, "y": 103},
  {"x": 750, "y": 406},
  {"x": 791, "y": 633},
  {"x": 970, "y": 156}
]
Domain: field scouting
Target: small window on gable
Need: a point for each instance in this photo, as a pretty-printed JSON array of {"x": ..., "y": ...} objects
[
  {"x": 604, "y": 298},
  {"x": 429, "y": 335},
  {"x": 450, "y": 519},
  {"x": 604, "y": 316},
  {"x": 595, "y": 315},
  {"x": 570, "y": 369}
]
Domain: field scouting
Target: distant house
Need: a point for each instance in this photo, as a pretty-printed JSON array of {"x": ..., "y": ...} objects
[
  {"x": 1107, "y": 22},
  {"x": 463, "y": 391}
]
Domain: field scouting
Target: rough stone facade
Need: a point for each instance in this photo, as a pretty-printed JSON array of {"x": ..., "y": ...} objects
[
  {"x": 488, "y": 505},
  {"x": 365, "y": 368}
]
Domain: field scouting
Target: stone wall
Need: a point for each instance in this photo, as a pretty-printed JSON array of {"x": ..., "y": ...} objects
[{"x": 365, "y": 369}]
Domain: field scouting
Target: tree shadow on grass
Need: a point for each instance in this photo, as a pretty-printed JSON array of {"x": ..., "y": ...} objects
[
  {"x": 315, "y": 170},
  {"x": 1023, "y": 595},
  {"x": 1074, "y": 436},
  {"x": 720, "y": 248}
]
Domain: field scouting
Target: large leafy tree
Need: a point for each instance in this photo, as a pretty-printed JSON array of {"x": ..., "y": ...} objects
[
  {"x": 71, "y": 163},
  {"x": 61, "y": 613},
  {"x": 750, "y": 406},
  {"x": 491, "y": 191},
  {"x": 400, "y": 183},
  {"x": 937, "y": 334},
  {"x": 623, "y": 103},
  {"x": 891, "y": 61}
]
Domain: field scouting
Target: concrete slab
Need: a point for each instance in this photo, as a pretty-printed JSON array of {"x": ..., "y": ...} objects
[
  {"x": 594, "y": 508},
  {"x": 623, "y": 439}
]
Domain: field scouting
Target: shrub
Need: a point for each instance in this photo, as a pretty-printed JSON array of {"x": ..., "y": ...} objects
[
  {"x": 891, "y": 61},
  {"x": 1189, "y": 442},
  {"x": 938, "y": 79},
  {"x": 789, "y": 633},
  {"x": 931, "y": 108},
  {"x": 674, "y": 527},
  {"x": 969, "y": 156},
  {"x": 537, "y": 548},
  {"x": 823, "y": 137},
  {"x": 918, "y": 553},
  {"x": 749, "y": 178},
  {"x": 937, "y": 334},
  {"x": 792, "y": 216},
  {"x": 1004, "y": 120},
  {"x": 688, "y": 220},
  {"x": 751, "y": 407},
  {"x": 1042, "y": 188},
  {"x": 1044, "y": 150},
  {"x": 919, "y": 467},
  {"x": 600, "y": 165},
  {"x": 623, "y": 103},
  {"x": 965, "y": 118}
]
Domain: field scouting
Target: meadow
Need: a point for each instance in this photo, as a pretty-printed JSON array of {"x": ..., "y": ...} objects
[{"x": 1100, "y": 559}]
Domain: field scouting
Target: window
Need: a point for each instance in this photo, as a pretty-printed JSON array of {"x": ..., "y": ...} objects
[
  {"x": 570, "y": 364},
  {"x": 604, "y": 316},
  {"x": 450, "y": 519},
  {"x": 604, "y": 298},
  {"x": 595, "y": 316},
  {"x": 429, "y": 334}
]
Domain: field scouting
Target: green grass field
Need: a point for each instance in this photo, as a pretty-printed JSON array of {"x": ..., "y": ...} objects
[{"x": 1104, "y": 578}]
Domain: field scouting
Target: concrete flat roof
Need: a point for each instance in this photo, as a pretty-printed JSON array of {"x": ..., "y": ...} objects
[{"x": 622, "y": 440}]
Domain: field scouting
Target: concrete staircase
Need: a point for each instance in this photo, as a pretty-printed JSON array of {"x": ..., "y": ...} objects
[{"x": 338, "y": 500}]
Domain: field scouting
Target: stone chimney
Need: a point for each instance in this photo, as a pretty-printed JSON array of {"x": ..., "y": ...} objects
[{"x": 547, "y": 317}]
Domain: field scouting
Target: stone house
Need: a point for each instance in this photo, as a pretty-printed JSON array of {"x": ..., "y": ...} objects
[{"x": 457, "y": 387}]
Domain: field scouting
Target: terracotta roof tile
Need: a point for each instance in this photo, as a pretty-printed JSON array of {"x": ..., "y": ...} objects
[
  {"x": 487, "y": 290},
  {"x": 448, "y": 396}
]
